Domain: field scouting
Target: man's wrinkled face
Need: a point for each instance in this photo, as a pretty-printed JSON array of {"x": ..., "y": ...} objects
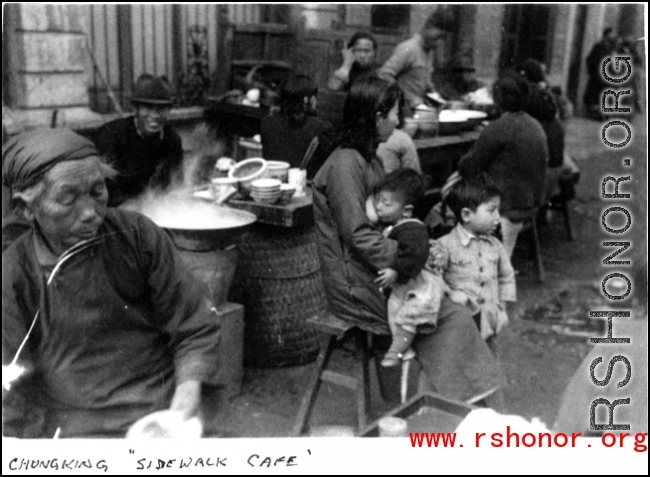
[
  {"x": 364, "y": 52},
  {"x": 151, "y": 117},
  {"x": 73, "y": 205}
]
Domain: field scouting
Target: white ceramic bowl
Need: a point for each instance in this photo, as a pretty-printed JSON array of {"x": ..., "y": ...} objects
[
  {"x": 286, "y": 192},
  {"x": 266, "y": 184},
  {"x": 278, "y": 170},
  {"x": 268, "y": 200}
]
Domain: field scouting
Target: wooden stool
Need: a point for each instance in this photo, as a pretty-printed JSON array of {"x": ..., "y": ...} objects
[
  {"x": 360, "y": 382},
  {"x": 561, "y": 204}
]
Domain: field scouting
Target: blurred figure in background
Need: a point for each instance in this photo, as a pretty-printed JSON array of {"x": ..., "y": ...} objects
[
  {"x": 541, "y": 106},
  {"x": 596, "y": 83},
  {"x": 287, "y": 135},
  {"x": 359, "y": 62},
  {"x": 399, "y": 151},
  {"x": 411, "y": 66},
  {"x": 460, "y": 81}
]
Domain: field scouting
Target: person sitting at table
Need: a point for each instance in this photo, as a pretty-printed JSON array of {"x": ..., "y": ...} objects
[
  {"x": 541, "y": 105},
  {"x": 102, "y": 322},
  {"x": 512, "y": 151},
  {"x": 399, "y": 151},
  {"x": 143, "y": 148},
  {"x": 287, "y": 135},
  {"x": 455, "y": 359},
  {"x": 359, "y": 62}
]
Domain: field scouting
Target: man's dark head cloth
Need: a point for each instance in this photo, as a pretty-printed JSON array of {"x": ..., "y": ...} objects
[{"x": 26, "y": 157}]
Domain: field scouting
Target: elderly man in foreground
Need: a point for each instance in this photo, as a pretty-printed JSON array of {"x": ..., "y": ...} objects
[{"x": 97, "y": 307}]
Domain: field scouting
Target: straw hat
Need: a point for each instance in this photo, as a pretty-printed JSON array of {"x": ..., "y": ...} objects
[{"x": 151, "y": 90}]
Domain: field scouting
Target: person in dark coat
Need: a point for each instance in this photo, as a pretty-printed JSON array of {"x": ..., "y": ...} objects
[
  {"x": 455, "y": 359},
  {"x": 596, "y": 84},
  {"x": 359, "y": 62},
  {"x": 542, "y": 106},
  {"x": 102, "y": 322},
  {"x": 143, "y": 148},
  {"x": 512, "y": 151},
  {"x": 286, "y": 136}
]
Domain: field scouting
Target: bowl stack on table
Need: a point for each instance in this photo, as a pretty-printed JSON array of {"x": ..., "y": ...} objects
[{"x": 266, "y": 191}]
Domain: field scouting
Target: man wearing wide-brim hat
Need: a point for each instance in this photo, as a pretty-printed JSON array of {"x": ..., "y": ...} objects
[{"x": 143, "y": 148}]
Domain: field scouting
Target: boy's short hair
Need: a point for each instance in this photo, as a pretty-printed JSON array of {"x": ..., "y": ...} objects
[
  {"x": 471, "y": 193},
  {"x": 405, "y": 182}
]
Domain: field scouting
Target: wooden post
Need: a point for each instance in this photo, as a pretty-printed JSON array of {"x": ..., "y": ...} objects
[
  {"x": 224, "y": 51},
  {"x": 179, "y": 47},
  {"x": 125, "y": 45}
]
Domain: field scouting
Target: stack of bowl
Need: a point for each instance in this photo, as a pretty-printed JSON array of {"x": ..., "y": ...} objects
[{"x": 266, "y": 191}]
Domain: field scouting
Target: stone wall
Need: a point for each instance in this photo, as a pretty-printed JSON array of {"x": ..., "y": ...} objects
[
  {"x": 48, "y": 56},
  {"x": 487, "y": 41},
  {"x": 46, "y": 66}
]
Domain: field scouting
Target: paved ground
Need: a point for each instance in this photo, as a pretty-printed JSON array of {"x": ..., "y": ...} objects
[{"x": 538, "y": 360}]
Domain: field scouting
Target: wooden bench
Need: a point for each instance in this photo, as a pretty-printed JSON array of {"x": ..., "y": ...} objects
[{"x": 359, "y": 381}]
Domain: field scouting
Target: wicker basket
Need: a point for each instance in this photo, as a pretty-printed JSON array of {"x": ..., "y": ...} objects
[{"x": 279, "y": 283}]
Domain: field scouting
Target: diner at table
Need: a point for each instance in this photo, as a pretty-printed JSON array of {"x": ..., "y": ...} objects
[
  {"x": 287, "y": 135},
  {"x": 512, "y": 151}
]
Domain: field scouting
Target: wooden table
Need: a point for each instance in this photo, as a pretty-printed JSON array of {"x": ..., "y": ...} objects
[
  {"x": 439, "y": 155},
  {"x": 297, "y": 213},
  {"x": 278, "y": 280},
  {"x": 439, "y": 158}
]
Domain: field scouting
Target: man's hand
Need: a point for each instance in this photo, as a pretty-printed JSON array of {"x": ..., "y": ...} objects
[
  {"x": 187, "y": 398},
  {"x": 348, "y": 56},
  {"x": 387, "y": 277}
]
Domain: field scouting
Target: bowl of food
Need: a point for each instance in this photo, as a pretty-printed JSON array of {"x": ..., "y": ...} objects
[
  {"x": 474, "y": 118},
  {"x": 246, "y": 172},
  {"x": 286, "y": 192},
  {"x": 265, "y": 184},
  {"x": 452, "y": 122},
  {"x": 267, "y": 199},
  {"x": 166, "y": 424},
  {"x": 277, "y": 170}
]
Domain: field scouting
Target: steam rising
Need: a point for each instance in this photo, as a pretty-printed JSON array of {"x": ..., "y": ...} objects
[{"x": 176, "y": 208}]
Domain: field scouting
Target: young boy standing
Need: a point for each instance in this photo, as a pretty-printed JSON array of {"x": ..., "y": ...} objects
[
  {"x": 478, "y": 269},
  {"x": 415, "y": 291}
]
